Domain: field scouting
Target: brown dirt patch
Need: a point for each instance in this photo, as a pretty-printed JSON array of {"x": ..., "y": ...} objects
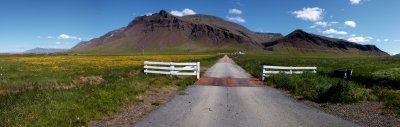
[
  {"x": 230, "y": 82},
  {"x": 151, "y": 100},
  {"x": 91, "y": 80}
]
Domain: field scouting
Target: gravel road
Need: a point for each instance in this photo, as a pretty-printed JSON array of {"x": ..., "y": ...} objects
[{"x": 218, "y": 106}]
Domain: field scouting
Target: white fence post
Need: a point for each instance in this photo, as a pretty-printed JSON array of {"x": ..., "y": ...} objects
[
  {"x": 171, "y": 69},
  {"x": 198, "y": 70},
  {"x": 314, "y": 71},
  {"x": 262, "y": 73},
  {"x": 145, "y": 68}
]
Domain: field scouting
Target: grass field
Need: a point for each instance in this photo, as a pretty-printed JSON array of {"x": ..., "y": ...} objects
[
  {"x": 374, "y": 78},
  {"x": 74, "y": 90}
]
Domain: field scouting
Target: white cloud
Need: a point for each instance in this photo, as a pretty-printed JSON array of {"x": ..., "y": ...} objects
[
  {"x": 236, "y": 19},
  {"x": 351, "y": 24},
  {"x": 184, "y": 12},
  {"x": 148, "y": 14},
  {"x": 385, "y": 40},
  {"x": 355, "y": 2},
  {"x": 235, "y": 11},
  {"x": 58, "y": 42},
  {"x": 334, "y": 22},
  {"x": 311, "y": 14},
  {"x": 353, "y": 35},
  {"x": 394, "y": 53},
  {"x": 378, "y": 40},
  {"x": 333, "y": 31},
  {"x": 65, "y": 37},
  {"x": 323, "y": 24},
  {"x": 358, "y": 39},
  {"x": 396, "y": 40}
]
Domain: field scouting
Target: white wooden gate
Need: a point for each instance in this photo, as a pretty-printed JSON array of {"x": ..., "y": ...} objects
[
  {"x": 269, "y": 70},
  {"x": 172, "y": 68}
]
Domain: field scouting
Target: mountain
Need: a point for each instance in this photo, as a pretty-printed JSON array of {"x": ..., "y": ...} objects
[
  {"x": 397, "y": 55},
  {"x": 300, "y": 41},
  {"x": 44, "y": 50},
  {"x": 270, "y": 36},
  {"x": 163, "y": 31}
]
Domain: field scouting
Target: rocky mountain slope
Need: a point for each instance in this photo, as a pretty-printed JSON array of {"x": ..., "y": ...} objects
[
  {"x": 300, "y": 41},
  {"x": 163, "y": 31},
  {"x": 270, "y": 36}
]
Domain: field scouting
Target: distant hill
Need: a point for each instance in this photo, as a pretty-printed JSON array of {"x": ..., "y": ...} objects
[
  {"x": 300, "y": 41},
  {"x": 397, "y": 55},
  {"x": 44, "y": 50},
  {"x": 163, "y": 31}
]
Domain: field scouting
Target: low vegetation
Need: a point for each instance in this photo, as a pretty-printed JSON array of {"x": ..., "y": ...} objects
[
  {"x": 374, "y": 78},
  {"x": 74, "y": 90}
]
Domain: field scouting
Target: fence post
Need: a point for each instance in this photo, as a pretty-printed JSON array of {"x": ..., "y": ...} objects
[
  {"x": 198, "y": 70},
  {"x": 291, "y": 72},
  {"x": 171, "y": 69},
  {"x": 315, "y": 70},
  {"x": 262, "y": 74},
  {"x": 145, "y": 68}
]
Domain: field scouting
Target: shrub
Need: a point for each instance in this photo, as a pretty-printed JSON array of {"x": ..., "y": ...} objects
[
  {"x": 343, "y": 92},
  {"x": 283, "y": 81},
  {"x": 310, "y": 86},
  {"x": 390, "y": 97},
  {"x": 313, "y": 86}
]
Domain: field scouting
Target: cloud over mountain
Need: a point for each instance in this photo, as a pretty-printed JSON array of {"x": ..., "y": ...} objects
[
  {"x": 235, "y": 11},
  {"x": 184, "y": 12},
  {"x": 310, "y": 14},
  {"x": 237, "y": 19},
  {"x": 333, "y": 31}
]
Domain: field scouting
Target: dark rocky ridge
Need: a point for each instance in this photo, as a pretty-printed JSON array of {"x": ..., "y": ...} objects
[
  {"x": 163, "y": 31},
  {"x": 304, "y": 41}
]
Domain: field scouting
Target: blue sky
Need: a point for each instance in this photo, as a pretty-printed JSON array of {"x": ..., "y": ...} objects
[{"x": 26, "y": 24}]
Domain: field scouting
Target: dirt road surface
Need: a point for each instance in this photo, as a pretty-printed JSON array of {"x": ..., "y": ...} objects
[{"x": 215, "y": 103}]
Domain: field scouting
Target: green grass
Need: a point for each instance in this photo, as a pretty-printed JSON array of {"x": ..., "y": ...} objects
[
  {"x": 368, "y": 71},
  {"x": 83, "y": 103},
  {"x": 374, "y": 78},
  {"x": 29, "y": 71}
]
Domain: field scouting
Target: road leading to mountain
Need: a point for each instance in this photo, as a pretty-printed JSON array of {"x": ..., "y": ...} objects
[{"x": 205, "y": 105}]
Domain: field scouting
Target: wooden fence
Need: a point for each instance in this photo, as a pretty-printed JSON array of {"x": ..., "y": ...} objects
[
  {"x": 171, "y": 68},
  {"x": 270, "y": 70}
]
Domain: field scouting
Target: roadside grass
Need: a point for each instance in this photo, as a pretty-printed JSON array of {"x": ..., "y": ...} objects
[
  {"x": 79, "y": 105},
  {"x": 374, "y": 78}
]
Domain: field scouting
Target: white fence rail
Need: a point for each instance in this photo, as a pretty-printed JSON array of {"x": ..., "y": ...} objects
[
  {"x": 270, "y": 70},
  {"x": 171, "y": 68}
]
